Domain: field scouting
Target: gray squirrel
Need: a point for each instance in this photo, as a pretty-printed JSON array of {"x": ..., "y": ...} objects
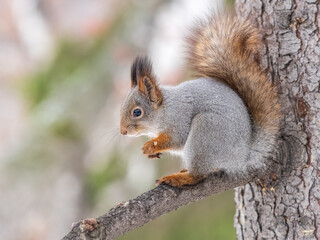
[{"x": 226, "y": 121}]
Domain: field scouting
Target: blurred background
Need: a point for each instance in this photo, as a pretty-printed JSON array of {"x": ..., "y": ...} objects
[{"x": 64, "y": 70}]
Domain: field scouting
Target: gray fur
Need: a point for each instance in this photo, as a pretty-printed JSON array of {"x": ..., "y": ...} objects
[
  {"x": 208, "y": 122},
  {"x": 211, "y": 124}
]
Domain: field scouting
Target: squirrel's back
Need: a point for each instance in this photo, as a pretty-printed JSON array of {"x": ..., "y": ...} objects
[
  {"x": 226, "y": 48},
  {"x": 207, "y": 95}
]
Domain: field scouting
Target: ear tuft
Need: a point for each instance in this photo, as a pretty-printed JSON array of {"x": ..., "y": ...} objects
[
  {"x": 141, "y": 67},
  {"x": 142, "y": 75},
  {"x": 133, "y": 75}
]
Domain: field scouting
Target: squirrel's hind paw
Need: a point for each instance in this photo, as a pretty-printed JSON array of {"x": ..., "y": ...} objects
[{"x": 180, "y": 179}]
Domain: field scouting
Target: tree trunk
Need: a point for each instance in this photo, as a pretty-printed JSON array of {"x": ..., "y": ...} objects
[{"x": 289, "y": 207}]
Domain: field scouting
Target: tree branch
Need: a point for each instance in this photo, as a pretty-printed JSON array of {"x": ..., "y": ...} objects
[
  {"x": 163, "y": 199},
  {"x": 150, "y": 205}
]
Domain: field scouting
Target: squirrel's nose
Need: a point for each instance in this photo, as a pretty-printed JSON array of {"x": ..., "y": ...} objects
[{"x": 123, "y": 132}]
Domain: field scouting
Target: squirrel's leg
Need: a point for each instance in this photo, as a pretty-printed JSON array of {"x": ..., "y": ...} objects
[
  {"x": 211, "y": 149},
  {"x": 155, "y": 146},
  {"x": 180, "y": 179},
  {"x": 217, "y": 144}
]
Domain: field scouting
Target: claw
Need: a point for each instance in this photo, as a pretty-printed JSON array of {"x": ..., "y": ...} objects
[{"x": 157, "y": 155}]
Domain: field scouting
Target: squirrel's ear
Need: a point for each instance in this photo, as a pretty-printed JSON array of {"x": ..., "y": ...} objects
[
  {"x": 142, "y": 75},
  {"x": 149, "y": 88}
]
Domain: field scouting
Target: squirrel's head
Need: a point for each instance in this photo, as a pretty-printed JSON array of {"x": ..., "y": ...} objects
[{"x": 142, "y": 104}]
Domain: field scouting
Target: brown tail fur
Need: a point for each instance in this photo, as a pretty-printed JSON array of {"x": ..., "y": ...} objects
[{"x": 224, "y": 47}]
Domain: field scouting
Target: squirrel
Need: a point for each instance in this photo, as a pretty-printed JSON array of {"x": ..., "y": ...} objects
[{"x": 225, "y": 121}]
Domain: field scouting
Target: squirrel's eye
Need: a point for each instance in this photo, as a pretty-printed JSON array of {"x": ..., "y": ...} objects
[{"x": 137, "y": 112}]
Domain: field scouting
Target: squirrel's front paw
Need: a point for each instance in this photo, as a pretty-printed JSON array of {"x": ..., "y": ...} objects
[{"x": 149, "y": 149}]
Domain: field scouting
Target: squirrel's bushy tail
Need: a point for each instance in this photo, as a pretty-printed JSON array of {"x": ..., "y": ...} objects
[{"x": 226, "y": 48}]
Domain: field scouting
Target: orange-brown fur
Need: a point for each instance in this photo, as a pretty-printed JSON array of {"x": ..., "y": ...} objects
[
  {"x": 180, "y": 179},
  {"x": 157, "y": 145}
]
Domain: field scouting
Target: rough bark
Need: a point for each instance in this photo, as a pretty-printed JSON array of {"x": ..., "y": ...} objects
[{"x": 289, "y": 207}]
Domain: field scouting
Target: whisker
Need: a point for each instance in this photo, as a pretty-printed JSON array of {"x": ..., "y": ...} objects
[
  {"x": 112, "y": 134},
  {"x": 110, "y": 131}
]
